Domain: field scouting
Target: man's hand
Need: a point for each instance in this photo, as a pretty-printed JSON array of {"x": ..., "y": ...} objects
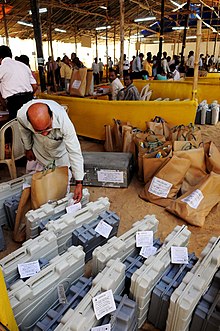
[
  {"x": 30, "y": 155},
  {"x": 78, "y": 193}
]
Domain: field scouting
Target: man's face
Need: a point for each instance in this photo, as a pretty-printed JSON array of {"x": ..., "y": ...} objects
[
  {"x": 112, "y": 76},
  {"x": 127, "y": 81}
]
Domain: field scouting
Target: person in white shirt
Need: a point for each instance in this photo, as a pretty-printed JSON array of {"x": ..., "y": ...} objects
[
  {"x": 190, "y": 64},
  {"x": 101, "y": 65},
  {"x": 17, "y": 84},
  {"x": 137, "y": 63},
  {"x": 126, "y": 66},
  {"x": 95, "y": 68},
  {"x": 164, "y": 63},
  {"x": 48, "y": 135},
  {"x": 174, "y": 72},
  {"x": 116, "y": 84}
]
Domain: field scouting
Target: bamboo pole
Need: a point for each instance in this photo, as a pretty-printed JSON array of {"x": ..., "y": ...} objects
[
  {"x": 106, "y": 46},
  {"x": 75, "y": 40},
  {"x": 96, "y": 44},
  {"x": 38, "y": 39},
  {"x": 185, "y": 31},
  {"x": 51, "y": 48},
  {"x": 122, "y": 18},
  {"x": 5, "y": 25},
  {"x": 161, "y": 29},
  {"x": 215, "y": 43},
  {"x": 174, "y": 47},
  {"x": 114, "y": 41},
  {"x": 196, "y": 63}
]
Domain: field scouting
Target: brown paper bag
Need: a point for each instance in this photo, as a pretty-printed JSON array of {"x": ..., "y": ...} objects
[
  {"x": 78, "y": 82},
  {"x": 19, "y": 233},
  {"x": 184, "y": 145},
  {"x": 167, "y": 182},
  {"x": 159, "y": 126},
  {"x": 212, "y": 157},
  {"x": 186, "y": 133},
  {"x": 194, "y": 205},
  {"x": 128, "y": 145},
  {"x": 49, "y": 185},
  {"x": 108, "y": 139},
  {"x": 197, "y": 169},
  {"x": 151, "y": 164},
  {"x": 89, "y": 82}
]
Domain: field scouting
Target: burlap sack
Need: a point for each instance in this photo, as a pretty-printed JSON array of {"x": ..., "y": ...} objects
[
  {"x": 78, "y": 82},
  {"x": 197, "y": 169},
  {"x": 212, "y": 157},
  {"x": 194, "y": 206},
  {"x": 48, "y": 185},
  {"x": 89, "y": 83},
  {"x": 165, "y": 185},
  {"x": 151, "y": 163}
]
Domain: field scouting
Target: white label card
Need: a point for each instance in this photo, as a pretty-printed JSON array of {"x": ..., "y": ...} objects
[
  {"x": 104, "y": 229},
  {"x": 61, "y": 294},
  {"x": 179, "y": 255},
  {"x": 103, "y": 304},
  {"x": 110, "y": 176},
  {"x": 73, "y": 208},
  {"x": 106, "y": 327},
  {"x": 147, "y": 251},
  {"x": 76, "y": 84},
  {"x": 160, "y": 187},
  {"x": 144, "y": 238},
  {"x": 26, "y": 185},
  {"x": 28, "y": 269},
  {"x": 194, "y": 199}
]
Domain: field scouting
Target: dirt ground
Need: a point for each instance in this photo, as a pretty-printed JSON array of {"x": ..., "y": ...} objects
[{"x": 130, "y": 208}]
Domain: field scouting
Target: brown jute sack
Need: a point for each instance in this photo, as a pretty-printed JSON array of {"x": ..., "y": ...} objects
[
  {"x": 48, "y": 185},
  {"x": 78, "y": 82},
  {"x": 167, "y": 182},
  {"x": 197, "y": 169},
  {"x": 151, "y": 164},
  {"x": 212, "y": 157},
  {"x": 194, "y": 206}
]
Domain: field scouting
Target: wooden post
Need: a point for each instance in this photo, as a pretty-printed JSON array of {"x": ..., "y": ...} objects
[
  {"x": 174, "y": 47},
  {"x": 129, "y": 44},
  {"x": 75, "y": 40},
  {"x": 96, "y": 45},
  {"x": 196, "y": 63},
  {"x": 114, "y": 41},
  {"x": 51, "y": 47},
  {"x": 106, "y": 45},
  {"x": 184, "y": 32},
  {"x": 38, "y": 39},
  {"x": 207, "y": 43},
  {"x": 5, "y": 25},
  {"x": 161, "y": 29},
  {"x": 122, "y": 18},
  {"x": 215, "y": 43}
]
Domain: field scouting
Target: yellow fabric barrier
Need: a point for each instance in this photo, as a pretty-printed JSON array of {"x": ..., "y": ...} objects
[
  {"x": 90, "y": 116},
  {"x": 207, "y": 90},
  {"x": 6, "y": 314},
  {"x": 213, "y": 75}
]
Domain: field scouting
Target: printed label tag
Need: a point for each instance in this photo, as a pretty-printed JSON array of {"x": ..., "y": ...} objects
[
  {"x": 61, "y": 294},
  {"x": 147, "y": 251},
  {"x": 104, "y": 229},
  {"x": 194, "y": 199},
  {"x": 179, "y": 255},
  {"x": 160, "y": 187},
  {"x": 28, "y": 269},
  {"x": 144, "y": 238},
  {"x": 110, "y": 176},
  {"x": 25, "y": 185},
  {"x": 106, "y": 327},
  {"x": 73, "y": 208},
  {"x": 103, "y": 304},
  {"x": 76, "y": 84}
]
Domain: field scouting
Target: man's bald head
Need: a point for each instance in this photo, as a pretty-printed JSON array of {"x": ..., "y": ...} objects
[{"x": 40, "y": 116}]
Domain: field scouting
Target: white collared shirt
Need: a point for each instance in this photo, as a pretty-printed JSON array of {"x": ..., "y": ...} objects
[
  {"x": 116, "y": 86},
  {"x": 15, "y": 77},
  {"x": 61, "y": 144}
]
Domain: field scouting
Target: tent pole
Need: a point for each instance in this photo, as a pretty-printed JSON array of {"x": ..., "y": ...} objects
[
  {"x": 5, "y": 25},
  {"x": 122, "y": 18},
  {"x": 185, "y": 31},
  {"x": 196, "y": 64},
  {"x": 161, "y": 28}
]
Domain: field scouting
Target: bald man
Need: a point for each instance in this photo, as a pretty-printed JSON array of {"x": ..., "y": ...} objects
[{"x": 49, "y": 135}]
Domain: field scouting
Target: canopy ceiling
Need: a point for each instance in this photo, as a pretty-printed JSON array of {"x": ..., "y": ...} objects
[{"x": 80, "y": 18}]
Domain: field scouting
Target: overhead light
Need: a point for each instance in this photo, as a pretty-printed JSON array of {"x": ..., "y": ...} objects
[
  {"x": 191, "y": 37},
  {"x": 103, "y": 7},
  {"x": 103, "y": 27},
  {"x": 25, "y": 23},
  {"x": 144, "y": 19},
  {"x": 136, "y": 36},
  {"x": 178, "y": 5},
  {"x": 180, "y": 28},
  {"x": 157, "y": 41},
  {"x": 59, "y": 30},
  {"x": 41, "y": 11},
  {"x": 153, "y": 24}
]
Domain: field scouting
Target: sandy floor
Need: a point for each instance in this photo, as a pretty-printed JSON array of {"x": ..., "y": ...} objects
[{"x": 130, "y": 208}]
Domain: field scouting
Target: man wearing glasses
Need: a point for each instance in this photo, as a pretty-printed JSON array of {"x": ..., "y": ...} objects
[{"x": 49, "y": 135}]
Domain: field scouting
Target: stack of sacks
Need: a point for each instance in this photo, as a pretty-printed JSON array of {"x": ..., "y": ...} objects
[{"x": 188, "y": 184}]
